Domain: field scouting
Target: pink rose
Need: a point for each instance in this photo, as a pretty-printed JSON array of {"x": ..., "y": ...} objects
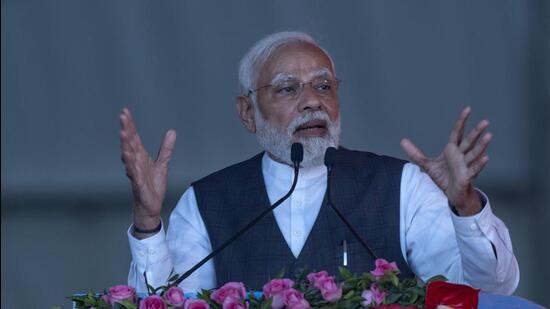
[
  {"x": 120, "y": 293},
  {"x": 295, "y": 300},
  {"x": 233, "y": 289},
  {"x": 382, "y": 266},
  {"x": 314, "y": 278},
  {"x": 175, "y": 296},
  {"x": 329, "y": 289},
  {"x": 275, "y": 289},
  {"x": 373, "y": 296},
  {"x": 196, "y": 304},
  {"x": 234, "y": 303},
  {"x": 152, "y": 302}
]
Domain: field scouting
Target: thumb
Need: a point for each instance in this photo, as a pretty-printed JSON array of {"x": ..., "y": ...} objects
[
  {"x": 167, "y": 146},
  {"x": 416, "y": 155}
]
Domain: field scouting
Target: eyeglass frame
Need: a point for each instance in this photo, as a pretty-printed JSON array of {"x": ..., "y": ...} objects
[{"x": 301, "y": 83}]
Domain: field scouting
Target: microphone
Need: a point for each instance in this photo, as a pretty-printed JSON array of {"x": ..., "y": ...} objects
[
  {"x": 296, "y": 156},
  {"x": 330, "y": 156}
]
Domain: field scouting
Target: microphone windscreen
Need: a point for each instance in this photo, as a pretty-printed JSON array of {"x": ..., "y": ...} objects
[
  {"x": 297, "y": 153},
  {"x": 330, "y": 155}
]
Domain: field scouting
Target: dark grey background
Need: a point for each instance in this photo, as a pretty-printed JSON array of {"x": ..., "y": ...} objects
[{"x": 409, "y": 67}]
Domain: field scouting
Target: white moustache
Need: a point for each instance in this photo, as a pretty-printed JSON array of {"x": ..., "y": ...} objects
[{"x": 302, "y": 120}]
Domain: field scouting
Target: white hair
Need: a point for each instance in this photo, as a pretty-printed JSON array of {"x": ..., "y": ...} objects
[
  {"x": 259, "y": 53},
  {"x": 277, "y": 141},
  {"x": 274, "y": 139}
]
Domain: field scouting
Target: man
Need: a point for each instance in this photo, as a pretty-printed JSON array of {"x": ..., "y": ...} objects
[{"x": 425, "y": 216}]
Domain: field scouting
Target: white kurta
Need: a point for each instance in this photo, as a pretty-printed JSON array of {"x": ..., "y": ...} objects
[{"x": 433, "y": 239}]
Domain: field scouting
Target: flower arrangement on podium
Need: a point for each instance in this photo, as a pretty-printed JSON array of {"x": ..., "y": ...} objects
[{"x": 379, "y": 288}]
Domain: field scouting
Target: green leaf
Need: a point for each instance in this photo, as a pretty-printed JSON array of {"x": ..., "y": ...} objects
[
  {"x": 281, "y": 274},
  {"x": 266, "y": 304},
  {"x": 162, "y": 288},
  {"x": 90, "y": 303},
  {"x": 345, "y": 273},
  {"x": 368, "y": 277},
  {"x": 394, "y": 279},
  {"x": 437, "y": 278},
  {"x": 392, "y": 298},
  {"x": 128, "y": 305},
  {"x": 204, "y": 294},
  {"x": 414, "y": 297},
  {"x": 349, "y": 294},
  {"x": 356, "y": 299}
]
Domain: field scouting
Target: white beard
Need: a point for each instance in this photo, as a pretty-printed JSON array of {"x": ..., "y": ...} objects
[{"x": 277, "y": 141}]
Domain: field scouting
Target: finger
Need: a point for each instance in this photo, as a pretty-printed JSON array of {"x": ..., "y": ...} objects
[
  {"x": 472, "y": 138},
  {"x": 128, "y": 140},
  {"x": 132, "y": 137},
  {"x": 479, "y": 149},
  {"x": 124, "y": 140},
  {"x": 458, "y": 130},
  {"x": 167, "y": 146},
  {"x": 477, "y": 166},
  {"x": 132, "y": 152},
  {"x": 416, "y": 155},
  {"x": 130, "y": 166},
  {"x": 127, "y": 130},
  {"x": 130, "y": 120},
  {"x": 124, "y": 122}
]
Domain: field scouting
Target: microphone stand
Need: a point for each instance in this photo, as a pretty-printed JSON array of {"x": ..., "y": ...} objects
[
  {"x": 329, "y": 162},
  {"x": 296, "y": 157}
]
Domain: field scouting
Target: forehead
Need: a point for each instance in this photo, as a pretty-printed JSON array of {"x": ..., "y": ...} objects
[{"x": 299, "y": 59}]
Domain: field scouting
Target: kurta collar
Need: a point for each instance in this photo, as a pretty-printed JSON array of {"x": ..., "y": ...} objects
[{"x": 277, "y": 172}]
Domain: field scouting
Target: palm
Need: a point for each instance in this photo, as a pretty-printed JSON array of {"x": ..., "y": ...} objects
[
  {"x": 150, "y": 186},
  {"x": 459, "y": 163}
]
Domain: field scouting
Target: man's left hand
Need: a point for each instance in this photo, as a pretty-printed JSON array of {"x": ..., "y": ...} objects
[{"x": 458, "y": 164}]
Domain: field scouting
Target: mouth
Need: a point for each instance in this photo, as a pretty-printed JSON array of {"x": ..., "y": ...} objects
[{"x": 313, "y": 128}]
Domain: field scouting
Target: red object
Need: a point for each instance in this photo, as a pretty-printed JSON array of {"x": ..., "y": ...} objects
[{"x": 457, "y": 296}]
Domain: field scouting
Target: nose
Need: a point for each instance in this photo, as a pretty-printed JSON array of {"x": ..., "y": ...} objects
[{"x": 309, "y": 100}]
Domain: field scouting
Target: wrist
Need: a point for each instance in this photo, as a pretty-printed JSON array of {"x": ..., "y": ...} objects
[
  {"x": 146, "y": 222},
  {"x": 470, "y": 205},
  {"x": 139, "y": 231}
]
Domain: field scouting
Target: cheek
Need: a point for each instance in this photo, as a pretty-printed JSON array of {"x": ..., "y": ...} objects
[
  {"x": 279, "y": 115},
  {"x": 333, "y": 110},
  {"x": 285, "y": 117},
  {"x": 281, "y": 120}
]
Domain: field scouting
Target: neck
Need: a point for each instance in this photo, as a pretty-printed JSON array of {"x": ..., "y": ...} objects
[{"x": 274, "y": 158}]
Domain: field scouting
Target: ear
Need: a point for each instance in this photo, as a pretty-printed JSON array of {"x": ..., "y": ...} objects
[{"x": 245, "y": 108}]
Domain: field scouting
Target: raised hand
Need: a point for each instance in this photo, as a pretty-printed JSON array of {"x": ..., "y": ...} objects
[
  {"x": 458, "y": 165},
  {"x": 148, "y": 177}
]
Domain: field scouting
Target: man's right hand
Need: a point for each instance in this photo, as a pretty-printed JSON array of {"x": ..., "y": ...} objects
[{"x": 148, "y": 177}]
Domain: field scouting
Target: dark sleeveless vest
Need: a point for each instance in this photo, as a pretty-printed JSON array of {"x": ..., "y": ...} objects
[{"x": 365, "y": 188}]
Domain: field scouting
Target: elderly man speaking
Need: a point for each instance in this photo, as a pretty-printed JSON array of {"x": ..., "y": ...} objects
[{"x": 426, "y": 215}]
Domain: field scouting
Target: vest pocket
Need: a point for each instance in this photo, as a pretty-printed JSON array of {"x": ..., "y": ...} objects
[{"x": 352, "y": 255}]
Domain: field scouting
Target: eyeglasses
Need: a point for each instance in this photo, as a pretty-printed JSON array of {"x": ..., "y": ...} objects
[{"x": 291, "y": 89}]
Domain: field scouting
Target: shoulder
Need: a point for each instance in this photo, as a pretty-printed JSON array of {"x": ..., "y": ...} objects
[
  {"x": 353, "y": 158},
  {"x": 244, "y": 169}
]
